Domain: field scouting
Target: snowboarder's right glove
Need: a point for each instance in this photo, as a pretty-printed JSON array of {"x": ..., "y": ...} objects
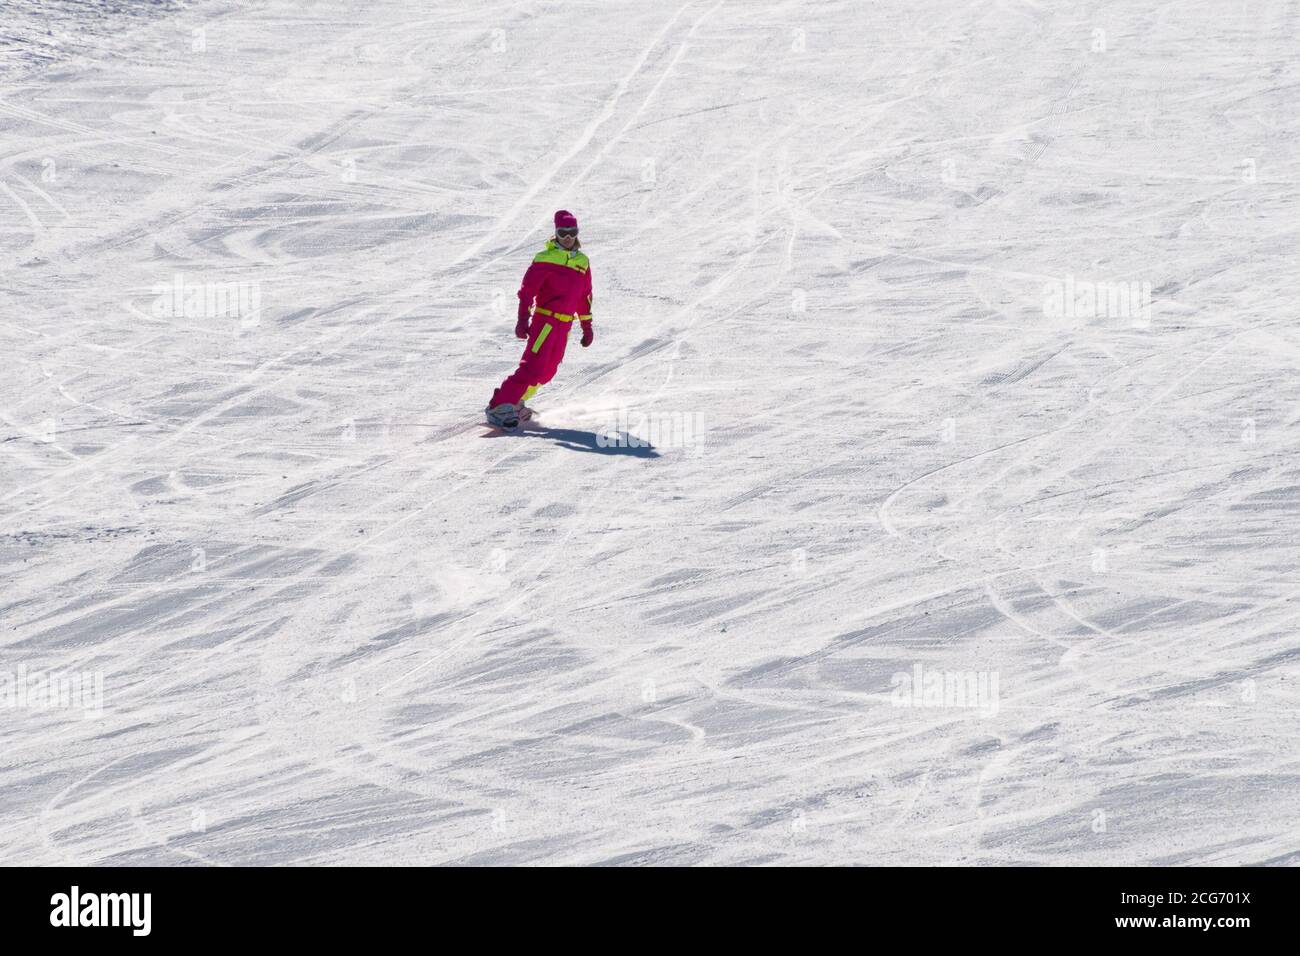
[
  {"x": 588, "y": 334},
  {"x": 521, "y": 325}
]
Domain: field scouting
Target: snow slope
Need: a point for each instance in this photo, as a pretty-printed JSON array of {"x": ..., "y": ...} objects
[{"x": 336, "y": 620}]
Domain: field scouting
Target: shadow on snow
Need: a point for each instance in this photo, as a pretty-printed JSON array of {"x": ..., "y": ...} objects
[{"x": 617, "y": 443}]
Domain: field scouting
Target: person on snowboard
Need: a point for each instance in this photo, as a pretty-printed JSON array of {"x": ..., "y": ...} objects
[{"x": 559, "y": 279}]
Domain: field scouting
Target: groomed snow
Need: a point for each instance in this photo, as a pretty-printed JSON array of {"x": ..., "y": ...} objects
[{"x": 842, "y": 256}]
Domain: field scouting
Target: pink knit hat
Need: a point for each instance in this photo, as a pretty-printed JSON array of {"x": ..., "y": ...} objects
[{"x": 565, "y": 219}]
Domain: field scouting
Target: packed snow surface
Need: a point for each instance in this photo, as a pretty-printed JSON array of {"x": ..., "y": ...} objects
[{"x": 928, "y": 496}]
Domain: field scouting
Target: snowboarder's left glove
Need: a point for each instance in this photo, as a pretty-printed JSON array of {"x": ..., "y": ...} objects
[
  {"x": 521, "y": 325},
  {"x": 588, "y": 334}
]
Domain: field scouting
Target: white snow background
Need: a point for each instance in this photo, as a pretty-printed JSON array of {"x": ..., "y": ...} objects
[{"x": 330, "y": 618}]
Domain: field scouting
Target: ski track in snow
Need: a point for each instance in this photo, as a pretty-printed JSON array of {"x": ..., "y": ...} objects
[{"x": 338, "y": 621}]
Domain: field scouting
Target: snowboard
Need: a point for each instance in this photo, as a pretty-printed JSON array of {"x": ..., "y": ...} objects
[{"x": 525, "y": 415}]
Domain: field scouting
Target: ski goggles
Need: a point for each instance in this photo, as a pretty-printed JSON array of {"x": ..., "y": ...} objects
[{"x": 566, "y": 232}]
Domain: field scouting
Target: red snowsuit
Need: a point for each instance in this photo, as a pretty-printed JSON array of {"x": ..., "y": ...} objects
[{"x": 561, "y": 284}]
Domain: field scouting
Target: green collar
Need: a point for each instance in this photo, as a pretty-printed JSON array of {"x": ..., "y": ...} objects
[{"x": 555, "y": 253}]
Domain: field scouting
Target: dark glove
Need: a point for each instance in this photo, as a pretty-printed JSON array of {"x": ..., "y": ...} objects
[
  {"x": 588, "y": 334},
  {"x": 521, "y": 325}
]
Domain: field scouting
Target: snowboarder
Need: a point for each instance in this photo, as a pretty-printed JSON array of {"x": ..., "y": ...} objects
[{"x": 559, "y": 279}]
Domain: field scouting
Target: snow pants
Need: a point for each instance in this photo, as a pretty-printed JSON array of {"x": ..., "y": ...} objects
[{"x": 547, "y": 337}]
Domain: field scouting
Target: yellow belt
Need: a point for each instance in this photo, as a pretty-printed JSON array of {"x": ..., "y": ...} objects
[{"x": 561, "y": 316}]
